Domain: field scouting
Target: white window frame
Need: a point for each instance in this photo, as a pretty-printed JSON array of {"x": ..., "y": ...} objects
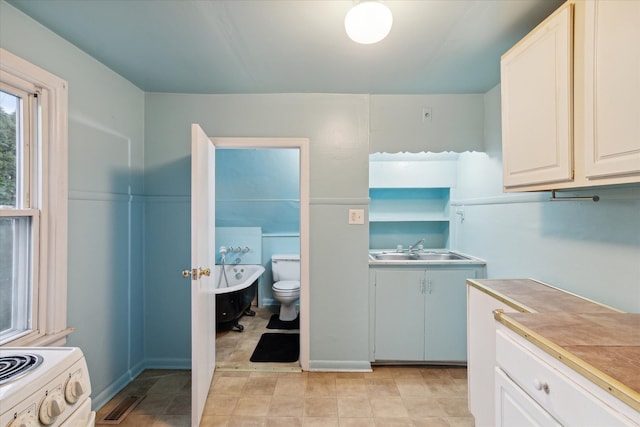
[{"x": 49, "y": 322}]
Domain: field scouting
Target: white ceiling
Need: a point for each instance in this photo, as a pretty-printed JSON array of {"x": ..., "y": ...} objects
[{"x": 288, "y": 46}]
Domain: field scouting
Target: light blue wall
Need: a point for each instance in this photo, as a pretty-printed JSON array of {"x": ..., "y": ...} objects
[
  {"x": 106, "y": 135},
  {"x": 337, "y": 126},
  {"x": 592, "y": 249}
]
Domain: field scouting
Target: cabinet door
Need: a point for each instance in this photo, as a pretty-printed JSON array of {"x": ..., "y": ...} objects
[
  {"x": 537, "y": 118},
  {"x": 515, "y": 408},
  {"x": 399, "y": 315},
  {"x": 612, "y": 88},
  {"x": 446, "y": 315}
]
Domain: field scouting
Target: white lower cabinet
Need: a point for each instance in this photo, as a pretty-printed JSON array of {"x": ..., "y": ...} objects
[
  {"x": 534, "y": 389},
  {"x": 420, "y": 314},
  {"x": 482, "y": 354}
]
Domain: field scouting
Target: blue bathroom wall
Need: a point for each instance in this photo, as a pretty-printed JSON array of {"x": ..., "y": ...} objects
[
  {"x": 591, "y": 249},
  {"x": 243, "y": 245},
  {"x": 258, "y": 188},
  {"x": 105, "y": 223}
]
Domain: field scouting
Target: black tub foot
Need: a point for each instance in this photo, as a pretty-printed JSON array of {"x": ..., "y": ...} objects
[
  {"x": 238, "y": 326},
  {"x": 249, "y": 312}
]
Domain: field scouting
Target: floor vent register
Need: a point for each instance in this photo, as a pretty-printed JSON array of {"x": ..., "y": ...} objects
[{"x": 122, "y": 409}]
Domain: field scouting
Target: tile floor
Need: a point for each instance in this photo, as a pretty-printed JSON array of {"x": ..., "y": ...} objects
[{"x": 270, "y": 395}]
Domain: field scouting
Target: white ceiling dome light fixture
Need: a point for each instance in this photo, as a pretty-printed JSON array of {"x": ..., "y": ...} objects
[{"x": 368, "y": 22}]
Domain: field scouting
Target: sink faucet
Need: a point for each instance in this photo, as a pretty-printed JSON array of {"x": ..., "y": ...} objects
[{"x": 419, "y": 242}]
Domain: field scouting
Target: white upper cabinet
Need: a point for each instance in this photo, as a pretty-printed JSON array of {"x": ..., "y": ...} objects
[
  {"x": 570, "y": 99},
  {"x": 536, "y": 104},
  {"x": 612, "y": 88}
]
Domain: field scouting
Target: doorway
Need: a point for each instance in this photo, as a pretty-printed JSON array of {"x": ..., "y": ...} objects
[{"x": 302, "y": 146}]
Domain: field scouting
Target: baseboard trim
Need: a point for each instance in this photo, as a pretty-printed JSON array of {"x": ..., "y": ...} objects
[{"x": 339, "y": 366}]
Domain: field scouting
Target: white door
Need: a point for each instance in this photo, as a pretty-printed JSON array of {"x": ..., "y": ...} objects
[{"x": 203, "y": 316}]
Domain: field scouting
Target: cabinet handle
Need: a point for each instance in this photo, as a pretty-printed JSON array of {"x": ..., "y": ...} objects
[{"x": 541, "y": 385}]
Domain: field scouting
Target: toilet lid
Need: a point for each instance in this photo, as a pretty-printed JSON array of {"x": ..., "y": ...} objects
[{"x": 287, "y": 285}]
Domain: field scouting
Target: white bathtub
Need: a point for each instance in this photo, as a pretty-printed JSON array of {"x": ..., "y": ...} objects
[{"x": 239, "y": 276}]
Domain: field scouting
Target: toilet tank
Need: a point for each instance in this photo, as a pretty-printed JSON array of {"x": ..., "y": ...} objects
[{"x": 285, "y": 267}]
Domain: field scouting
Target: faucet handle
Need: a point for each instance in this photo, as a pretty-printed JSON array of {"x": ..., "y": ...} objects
[{"x": 245, "y": 249}]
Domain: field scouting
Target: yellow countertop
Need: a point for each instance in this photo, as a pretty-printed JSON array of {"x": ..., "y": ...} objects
[{"x": 599, "y": 342}]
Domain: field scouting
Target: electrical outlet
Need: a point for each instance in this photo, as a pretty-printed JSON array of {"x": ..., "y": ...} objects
[{"x": 356, "y": 216}]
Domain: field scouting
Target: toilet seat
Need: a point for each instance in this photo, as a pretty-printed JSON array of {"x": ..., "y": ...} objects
[{"x": 286, "y": 286}]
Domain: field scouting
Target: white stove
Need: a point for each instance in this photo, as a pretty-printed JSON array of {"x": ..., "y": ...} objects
[{"x": 44, "y": 386}]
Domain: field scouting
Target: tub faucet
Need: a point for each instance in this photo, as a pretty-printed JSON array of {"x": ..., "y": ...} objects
[{"x": 419, "y": 242}]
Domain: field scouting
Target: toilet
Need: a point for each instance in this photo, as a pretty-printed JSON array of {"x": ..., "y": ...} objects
[{"x": 286, "y": 286}]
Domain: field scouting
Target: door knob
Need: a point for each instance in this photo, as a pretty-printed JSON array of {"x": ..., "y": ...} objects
[{"x": 205, "y": 272}]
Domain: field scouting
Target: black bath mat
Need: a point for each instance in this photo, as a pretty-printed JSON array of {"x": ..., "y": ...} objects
[
  {"x": 276, "y": 323},
  {"x": 277, "y": 348}
]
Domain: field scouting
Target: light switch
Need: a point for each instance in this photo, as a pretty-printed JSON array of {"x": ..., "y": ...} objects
[{"x": 356, "y": 216}]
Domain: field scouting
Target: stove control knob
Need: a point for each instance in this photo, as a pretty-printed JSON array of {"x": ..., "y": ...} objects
[
  {"x": 74, "y": 388},
  {"x": 25, "y": 420},
  {"x": 52, "y": 406}
]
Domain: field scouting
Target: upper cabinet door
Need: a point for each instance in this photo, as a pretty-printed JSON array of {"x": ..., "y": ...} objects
[
  {"x": 537, "y": 125},
  {"x": 612, "y": 88}
]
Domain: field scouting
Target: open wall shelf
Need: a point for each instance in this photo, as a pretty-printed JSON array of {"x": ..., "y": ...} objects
[
  {"x": 401, "y": 215},
  {"x": 409, "y": 204}
]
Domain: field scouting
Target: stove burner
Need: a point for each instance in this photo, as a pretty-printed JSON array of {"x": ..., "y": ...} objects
[{"x": 14, "y": 367}]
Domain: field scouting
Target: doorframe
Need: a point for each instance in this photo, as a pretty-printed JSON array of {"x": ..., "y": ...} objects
[{"x": 302, "y": 144}]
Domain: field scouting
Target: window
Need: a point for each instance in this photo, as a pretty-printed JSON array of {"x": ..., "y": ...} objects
[{"x": 33, "y": 204}]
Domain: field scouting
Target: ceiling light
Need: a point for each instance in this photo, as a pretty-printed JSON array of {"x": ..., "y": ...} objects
[{"x": 368, "y": 22}]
